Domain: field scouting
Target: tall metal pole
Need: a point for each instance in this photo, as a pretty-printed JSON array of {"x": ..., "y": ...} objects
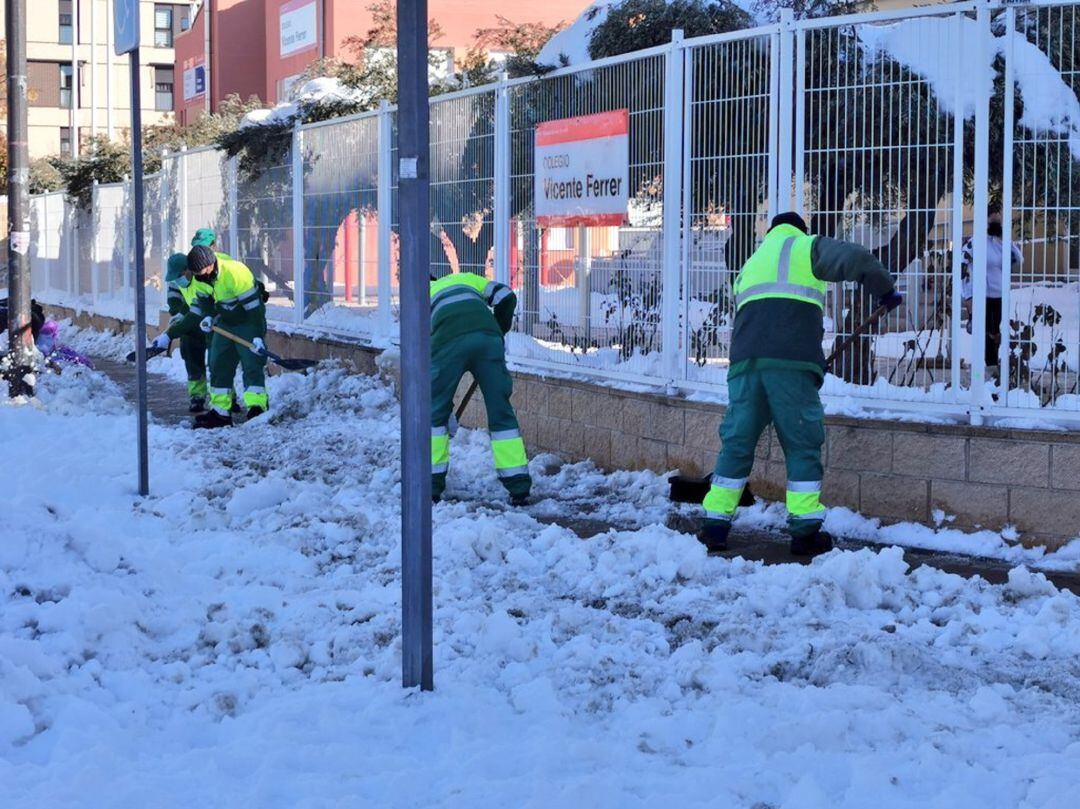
[
  {"x": 140, "y": 269},
  {"x": 20, "y": 337},
  {"x": 416, "y": 609}
]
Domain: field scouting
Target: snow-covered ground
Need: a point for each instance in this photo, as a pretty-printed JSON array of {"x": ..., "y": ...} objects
[{"x": 233, "y": 639}]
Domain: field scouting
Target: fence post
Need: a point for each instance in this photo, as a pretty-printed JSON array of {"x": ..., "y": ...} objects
[
  {"x": 1004, "y": 352},
  {"x": 95, "y": 282},
  {"x": 166, "y": 207},
  {"x": 182, "y": 181},
  {"x": 234, "y": 206},
  {"x": 384, "y": 201},
  {"x": 71, "y": 231},
  {"x": 785, "y": 118},
  {"x": 799, "y": 144},
  {"x": 957, "y": 225},
  {"x": 299, "y": 293},
  {"x": 978, "y": 235},
  {"x": 129, "y": 223},
  {"x": 671, "y": 274},
  {"x": 501, "y": 214}
]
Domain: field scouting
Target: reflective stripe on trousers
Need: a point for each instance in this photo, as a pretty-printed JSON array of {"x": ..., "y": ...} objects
[
  {"x": 508, "y": 449},
  {"x": 256, "y": 397},
  {"x": 221, "y": 400},
  {"x": 723, "y": 497},
  {"x": 804, "y": 500},
  {"x": 440, "y": 450}
]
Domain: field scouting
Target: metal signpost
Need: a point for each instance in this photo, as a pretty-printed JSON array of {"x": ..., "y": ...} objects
[
  {"x": 126, "y": 40},
  {"x": 416, "y": 609}
]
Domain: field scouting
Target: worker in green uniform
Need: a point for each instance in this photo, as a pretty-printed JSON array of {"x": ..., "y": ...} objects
[
  {"x": 469, "y": 317},
  {"x": 182, "y": 291},
  {"x": 205, "y": 237},
  {"x": 777, "y": 367},
  {"x": 234, "y": 301}
]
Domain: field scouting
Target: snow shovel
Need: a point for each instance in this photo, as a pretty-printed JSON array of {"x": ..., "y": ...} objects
[
  {"x": 455, "y": 417},
  {"x": 151, "y": 351},
  {"x": 693, "y": 490},
  {"x": 283, "y": 362}
]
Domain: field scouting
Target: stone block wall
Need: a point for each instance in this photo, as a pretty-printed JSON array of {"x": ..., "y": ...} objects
[{"x": 982, "y": 477}]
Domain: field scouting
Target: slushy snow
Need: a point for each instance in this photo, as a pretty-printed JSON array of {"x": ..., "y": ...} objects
[{"x": 234, "y": 638}]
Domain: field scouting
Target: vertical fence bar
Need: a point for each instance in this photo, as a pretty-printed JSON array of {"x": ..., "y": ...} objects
[
  {"x": 182, "y": 181},
  {"x": 299, "y": 293},
  {"x": 1006, "y": 206},
  {"x": 234, "y": 205},
  {"x": 800, "y": 120},
  {"x": 957, "y": 211},
  {"x": 978, "y": 237},
  {"x": 94, "y": 269},
  {"x": 784, "y": 122},
  {"x": 129, "y": 224},
  {"x": 71, "y": 234},
  {"x": 691, "y": 55},
  {"x": 164, "y": 195},
  {"x": 501, "y": 203},
  {"x": 774, "y": 125},
  {"x": 674, "y": 69},
  {"x": 384, "y": 202}
]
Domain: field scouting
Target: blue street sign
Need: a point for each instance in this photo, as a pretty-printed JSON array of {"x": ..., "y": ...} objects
[{"x": 125, "y": 26}]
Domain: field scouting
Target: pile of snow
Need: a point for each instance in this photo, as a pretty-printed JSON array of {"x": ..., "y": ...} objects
[{"x": 234, "y": 639}]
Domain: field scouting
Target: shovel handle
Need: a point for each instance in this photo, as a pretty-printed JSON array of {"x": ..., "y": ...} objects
[
  {"x": 228, "y": 335},
  {"x": 845, "y": 344}
]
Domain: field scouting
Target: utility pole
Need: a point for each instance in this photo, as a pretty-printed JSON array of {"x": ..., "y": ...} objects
[
  {"x": 126, "y": 39},
  {"x": 20, "y": 359},
  {"x": 413, "y": 178}
]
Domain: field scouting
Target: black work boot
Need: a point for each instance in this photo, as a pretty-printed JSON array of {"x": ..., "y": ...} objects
[
  {"x": 211, "y": 420},
  {"x": 198, "y": 404},
  {"x": 811, "y": 544},
  {"x": 254, "y": 412},
  {"x": 236, "y": 408},
  {"x": 519, "y": 499},
  {"x": 713, "y": 535}
]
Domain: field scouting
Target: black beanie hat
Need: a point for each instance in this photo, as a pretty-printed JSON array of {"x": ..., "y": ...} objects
[
  {"x": 199, "y": 257},
  {"x": 789, "y": 218}
]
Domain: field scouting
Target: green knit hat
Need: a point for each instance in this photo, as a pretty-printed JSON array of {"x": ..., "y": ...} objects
[
  {"x": 176, "y": 266},
  {"x": 204, "y": 237}
]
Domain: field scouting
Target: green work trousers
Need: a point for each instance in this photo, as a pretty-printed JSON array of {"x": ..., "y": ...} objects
[
  {"x": 788, "y": 398},
  {"x": 482, "y": 355},
  {"x": 193, "y": 351},
  {"x": 224, "y": 357}
]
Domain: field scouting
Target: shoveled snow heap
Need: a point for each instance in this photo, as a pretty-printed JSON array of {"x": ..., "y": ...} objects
[{"x": 233, "y": 639}]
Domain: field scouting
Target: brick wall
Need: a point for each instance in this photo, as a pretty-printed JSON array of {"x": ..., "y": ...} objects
[{"x": 983, "y": 476}]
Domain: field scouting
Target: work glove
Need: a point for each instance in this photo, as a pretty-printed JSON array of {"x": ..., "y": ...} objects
[
  {"x": 161, "y": 342},
  {"x": 207, "y": 324},
  {"x": 260, "y": 346},
  {"x": 891, "y": 299}
]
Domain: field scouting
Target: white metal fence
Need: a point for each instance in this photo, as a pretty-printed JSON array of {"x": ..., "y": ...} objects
[{"x": 895, "y": 130}]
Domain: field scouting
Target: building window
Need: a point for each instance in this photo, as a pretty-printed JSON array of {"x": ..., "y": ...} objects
[
  {"x": 163, "y": 27},
  {"x": 65, "y": 22},
  {"x": 163, "y": 89},
  {"x": 65, "y": 86},
  {"x": 65, "y": 141}
]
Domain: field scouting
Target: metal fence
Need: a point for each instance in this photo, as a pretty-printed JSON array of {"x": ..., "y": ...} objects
[{"x": 896, "y": 130}]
